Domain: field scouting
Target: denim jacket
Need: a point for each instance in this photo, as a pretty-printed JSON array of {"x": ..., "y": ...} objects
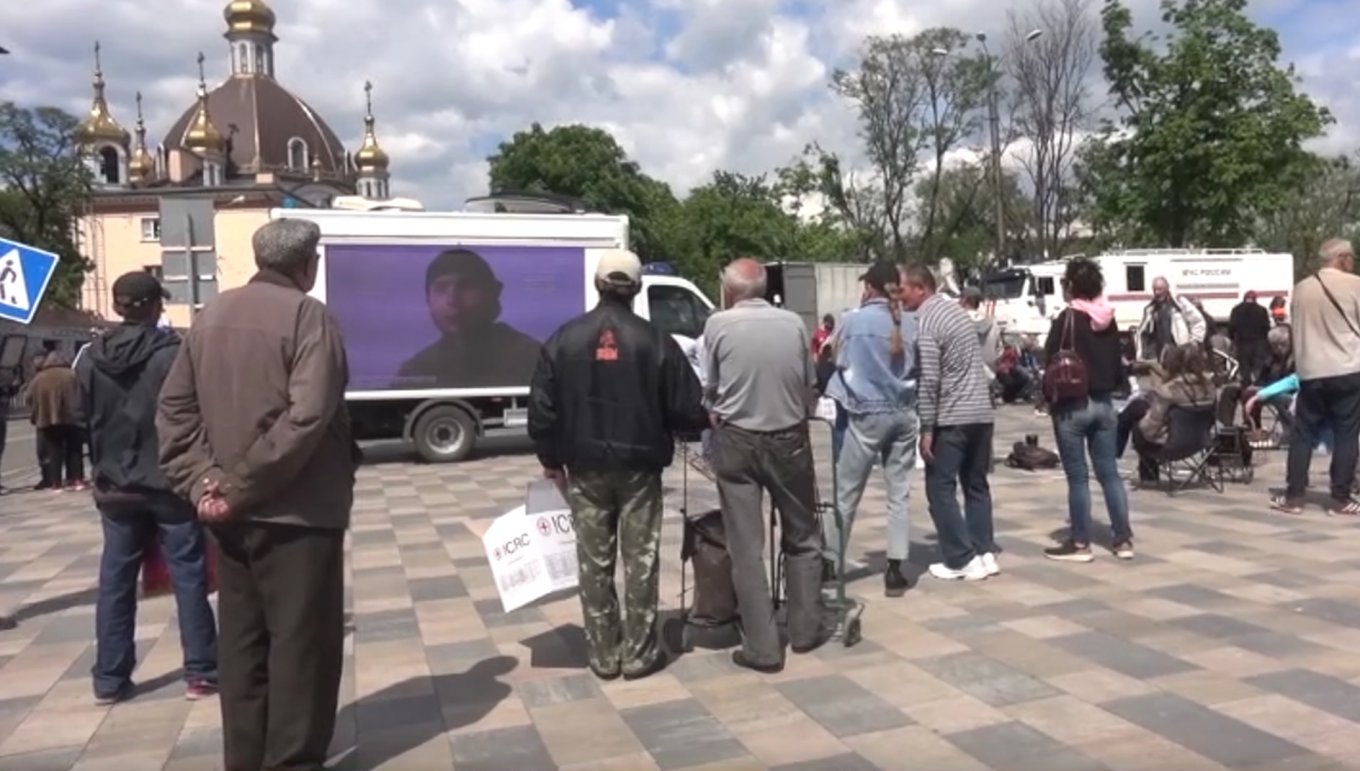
[{"x": 868, "y": 378}]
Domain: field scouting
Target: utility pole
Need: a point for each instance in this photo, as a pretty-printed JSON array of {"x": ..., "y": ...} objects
[{"x": 994, "y": 119}]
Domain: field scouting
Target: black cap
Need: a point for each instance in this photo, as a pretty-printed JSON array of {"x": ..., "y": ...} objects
[
  {"x": 880, "y": 275},
  {"x": 136, "y": 289}
]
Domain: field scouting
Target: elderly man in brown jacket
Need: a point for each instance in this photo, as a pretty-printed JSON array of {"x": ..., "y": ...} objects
[{"x": 253, "y": 429}]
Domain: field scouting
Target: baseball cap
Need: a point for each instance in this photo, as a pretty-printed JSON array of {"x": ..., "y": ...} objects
[
  {"x": 880, "y": 275},
  {"x": 136, "y": 289},
  {"x": 619, "y": 267}
]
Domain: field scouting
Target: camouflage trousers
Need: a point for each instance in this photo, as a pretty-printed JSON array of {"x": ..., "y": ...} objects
[{"x": 618, "y": 514}]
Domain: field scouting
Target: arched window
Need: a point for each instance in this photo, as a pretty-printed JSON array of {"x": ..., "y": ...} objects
[
  {"x": 259, "y": 60},
  {"x": 297, "y": 154},
  {"x": 110, "y": 166},
  {"x": 243, "y": 58}
]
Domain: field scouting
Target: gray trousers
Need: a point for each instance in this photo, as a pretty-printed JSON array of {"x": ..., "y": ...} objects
[
  {"x": 748, "y": 463},
  {"x": 887, "y": 438}
]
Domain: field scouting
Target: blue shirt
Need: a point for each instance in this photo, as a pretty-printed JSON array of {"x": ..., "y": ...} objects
[{"x": 869, "y": 379}]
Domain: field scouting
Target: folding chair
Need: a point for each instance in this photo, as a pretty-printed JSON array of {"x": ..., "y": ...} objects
[{"x": 1189, "y": 446}]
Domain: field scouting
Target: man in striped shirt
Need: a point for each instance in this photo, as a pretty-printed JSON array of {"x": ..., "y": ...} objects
[{"x": 956, "y": 416}]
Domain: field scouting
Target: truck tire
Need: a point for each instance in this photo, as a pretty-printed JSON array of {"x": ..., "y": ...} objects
[{"x": 444, "y": 434}]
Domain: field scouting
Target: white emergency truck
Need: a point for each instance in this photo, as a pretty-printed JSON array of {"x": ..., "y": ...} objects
[
  {"x": 430, "y": 332},
  {"x": 1026, "y": 298}
]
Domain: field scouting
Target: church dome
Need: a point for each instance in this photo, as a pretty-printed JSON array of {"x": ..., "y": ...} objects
[
  {"x": 249, "y": 17},
  {"x": 267, "y": 129}
]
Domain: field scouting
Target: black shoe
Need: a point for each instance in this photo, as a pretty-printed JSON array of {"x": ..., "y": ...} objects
[
  {"x": 739, "y": 658},
  {"x": 605, "y": 676},
  {"x": 828, "y": 571},
  {"x": 894, "y": 583},
  {"x": 122, "y": 694},
  {"x": 656, "y": 666},
  {"x": 1069, "y": 552}
]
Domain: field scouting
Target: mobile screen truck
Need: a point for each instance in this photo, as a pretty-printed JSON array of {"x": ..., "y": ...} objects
[{"x": 443, "y": 314}]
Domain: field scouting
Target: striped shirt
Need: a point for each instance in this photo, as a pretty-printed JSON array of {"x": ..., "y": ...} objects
[{"x": 953, "y": 388}]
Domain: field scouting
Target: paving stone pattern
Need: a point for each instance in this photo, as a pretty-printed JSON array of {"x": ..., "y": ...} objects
[{"x": 1231, "y": 642}]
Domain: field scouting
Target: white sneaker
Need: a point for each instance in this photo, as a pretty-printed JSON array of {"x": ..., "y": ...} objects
[
  {"x": 989, "y": 562},
  {"x": 975, "y": 570}
]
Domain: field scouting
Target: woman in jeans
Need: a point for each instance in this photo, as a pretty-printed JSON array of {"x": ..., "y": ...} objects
[{"x": 1089, "y": 424}]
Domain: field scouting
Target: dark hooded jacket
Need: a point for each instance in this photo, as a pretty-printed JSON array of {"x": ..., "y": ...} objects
[{"x": 118, "y": 381}]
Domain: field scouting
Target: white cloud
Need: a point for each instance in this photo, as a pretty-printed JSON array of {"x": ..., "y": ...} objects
[{"x": 687, "y": 86}]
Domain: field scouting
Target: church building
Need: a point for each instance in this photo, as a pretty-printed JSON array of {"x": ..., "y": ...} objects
[{"x": 185, "y": 208}]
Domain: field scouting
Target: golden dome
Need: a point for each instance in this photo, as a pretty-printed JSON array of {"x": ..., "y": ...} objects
[
  {"x": 99, "y": 125},
  {"x": 370, "y": 157},
  {"x": 249, "y": 17},
  {"x": 141, "y": 166},
  {"x": 202, "y": 136}
]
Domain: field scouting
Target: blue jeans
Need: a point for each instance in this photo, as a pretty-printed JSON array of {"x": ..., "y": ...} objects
[
  {"x": 128, "y": 531},
  {"x": 890, "y": 439},
  {"x": 963, "y": 455},
  {"x": 1092, "y": 427}
]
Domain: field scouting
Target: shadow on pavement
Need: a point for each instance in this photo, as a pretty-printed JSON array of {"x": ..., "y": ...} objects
[{"x": 386, "y": 725}]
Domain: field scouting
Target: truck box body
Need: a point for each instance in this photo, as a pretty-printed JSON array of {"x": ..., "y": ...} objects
[
  {"x": 451, "y": 309},
  {"x": 815, "y": 289}
]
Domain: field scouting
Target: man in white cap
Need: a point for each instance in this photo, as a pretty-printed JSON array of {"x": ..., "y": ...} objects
[{"x": 609, "y": 395}]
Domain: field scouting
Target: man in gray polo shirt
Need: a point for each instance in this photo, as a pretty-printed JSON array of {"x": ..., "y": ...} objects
[{"x": 761, "y": 385}]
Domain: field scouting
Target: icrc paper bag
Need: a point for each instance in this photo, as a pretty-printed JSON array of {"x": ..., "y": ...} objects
[{"x": 532, "y": 548}]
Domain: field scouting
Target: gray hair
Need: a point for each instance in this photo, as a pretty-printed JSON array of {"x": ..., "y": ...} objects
[
  {"x": 745, "y": 279},
  {"x": 1334, "y": 250},
  {"x": 285, "y": 245}
]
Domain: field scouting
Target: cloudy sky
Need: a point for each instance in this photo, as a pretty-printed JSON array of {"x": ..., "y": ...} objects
[{"x": 687, "y": 86}]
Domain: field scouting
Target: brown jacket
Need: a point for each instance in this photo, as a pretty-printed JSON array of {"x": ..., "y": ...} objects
[
  {"x": 51, "y": 397},
  {"x": 255, "y": 401}
]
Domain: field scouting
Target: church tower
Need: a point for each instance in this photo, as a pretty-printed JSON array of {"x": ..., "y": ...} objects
[
  {"x": 142, "y": 165},
  {"x": 371, "y": 161},
  {"x": 250, "y": 32},
  {"x": 202, "y": 139},
  {"x": 102, "y": 142}
]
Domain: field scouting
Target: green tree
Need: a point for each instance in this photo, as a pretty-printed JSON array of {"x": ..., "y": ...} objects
[
  {"x": 1324, "y": 204},
  {"x": 586, "y": 163},
  {"x": 43, "y": 190},
  {"x": 1211, "y": 127},
  {"x": 966, "y": 227}
]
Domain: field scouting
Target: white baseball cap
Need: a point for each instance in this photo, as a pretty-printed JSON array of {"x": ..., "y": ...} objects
[{"x": 619, "y": 267}]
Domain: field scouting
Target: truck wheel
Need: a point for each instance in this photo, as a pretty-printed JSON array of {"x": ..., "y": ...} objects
[{"x": 444, "y": 435}]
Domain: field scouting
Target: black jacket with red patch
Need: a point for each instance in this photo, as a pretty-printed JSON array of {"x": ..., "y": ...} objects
[{"x": 612, "y": 392}]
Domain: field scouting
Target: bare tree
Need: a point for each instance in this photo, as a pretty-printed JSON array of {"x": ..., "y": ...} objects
[
  {"x": 1050, "y": 78},
  {"x": 955, "y": 87},
  {"x": 889, "y": 89}
]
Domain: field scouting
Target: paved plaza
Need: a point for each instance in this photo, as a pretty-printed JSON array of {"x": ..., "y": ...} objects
[{"x": 1230, "y": 642}]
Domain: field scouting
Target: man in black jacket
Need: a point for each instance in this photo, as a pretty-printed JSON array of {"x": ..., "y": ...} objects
[
  {"x": 1247, "y": 328},
  {"x": 609, "y": 395},
  {"x": 119, "y": 381}
]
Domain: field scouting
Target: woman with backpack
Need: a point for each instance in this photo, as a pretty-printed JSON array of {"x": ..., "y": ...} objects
[{"x": 1085, "y": 366}]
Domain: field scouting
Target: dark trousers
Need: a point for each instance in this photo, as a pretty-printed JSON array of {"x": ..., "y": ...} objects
[
  {"x": 60, "y": 449},
  {"x": 963, "y": 456},
  {"x": 617, "y": 515},
  {"x": 1149, "y": 469},
  {"x": 747, "y": 464},
  {"x": 130, "y": 528},
  {"x": 281, "y": 605},
  {"x": 1331, "y": 402}
]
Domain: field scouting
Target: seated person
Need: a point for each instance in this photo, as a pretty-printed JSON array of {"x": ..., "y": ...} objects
[
  {"x": 1182, "y": 380},
  {"x": 1276, "y": 385}
]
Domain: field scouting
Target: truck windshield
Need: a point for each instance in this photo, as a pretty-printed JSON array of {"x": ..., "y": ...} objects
[{"x": 1005, "y": 285}]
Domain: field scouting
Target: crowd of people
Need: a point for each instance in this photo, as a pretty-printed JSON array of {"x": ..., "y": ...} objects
[{"x": 240, "y": 428}]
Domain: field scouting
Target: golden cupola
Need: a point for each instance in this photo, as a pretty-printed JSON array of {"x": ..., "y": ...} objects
[
  {"x": 249, "y": 17},
  {"x": 370, "y": 156},
  {"x": 99, "y": 125},
  {"x": 141, "y": 165},
  {"x": 202, "y": 136}
]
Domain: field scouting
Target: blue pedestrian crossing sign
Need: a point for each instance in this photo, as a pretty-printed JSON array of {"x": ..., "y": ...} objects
[{"x": 24, "y": 275}]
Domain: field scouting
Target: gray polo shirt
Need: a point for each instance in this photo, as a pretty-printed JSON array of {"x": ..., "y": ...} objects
[{"x": 761, "y": 375}]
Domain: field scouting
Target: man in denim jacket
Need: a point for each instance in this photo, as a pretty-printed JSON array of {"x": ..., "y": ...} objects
[{"x": 875, "y": 386}]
